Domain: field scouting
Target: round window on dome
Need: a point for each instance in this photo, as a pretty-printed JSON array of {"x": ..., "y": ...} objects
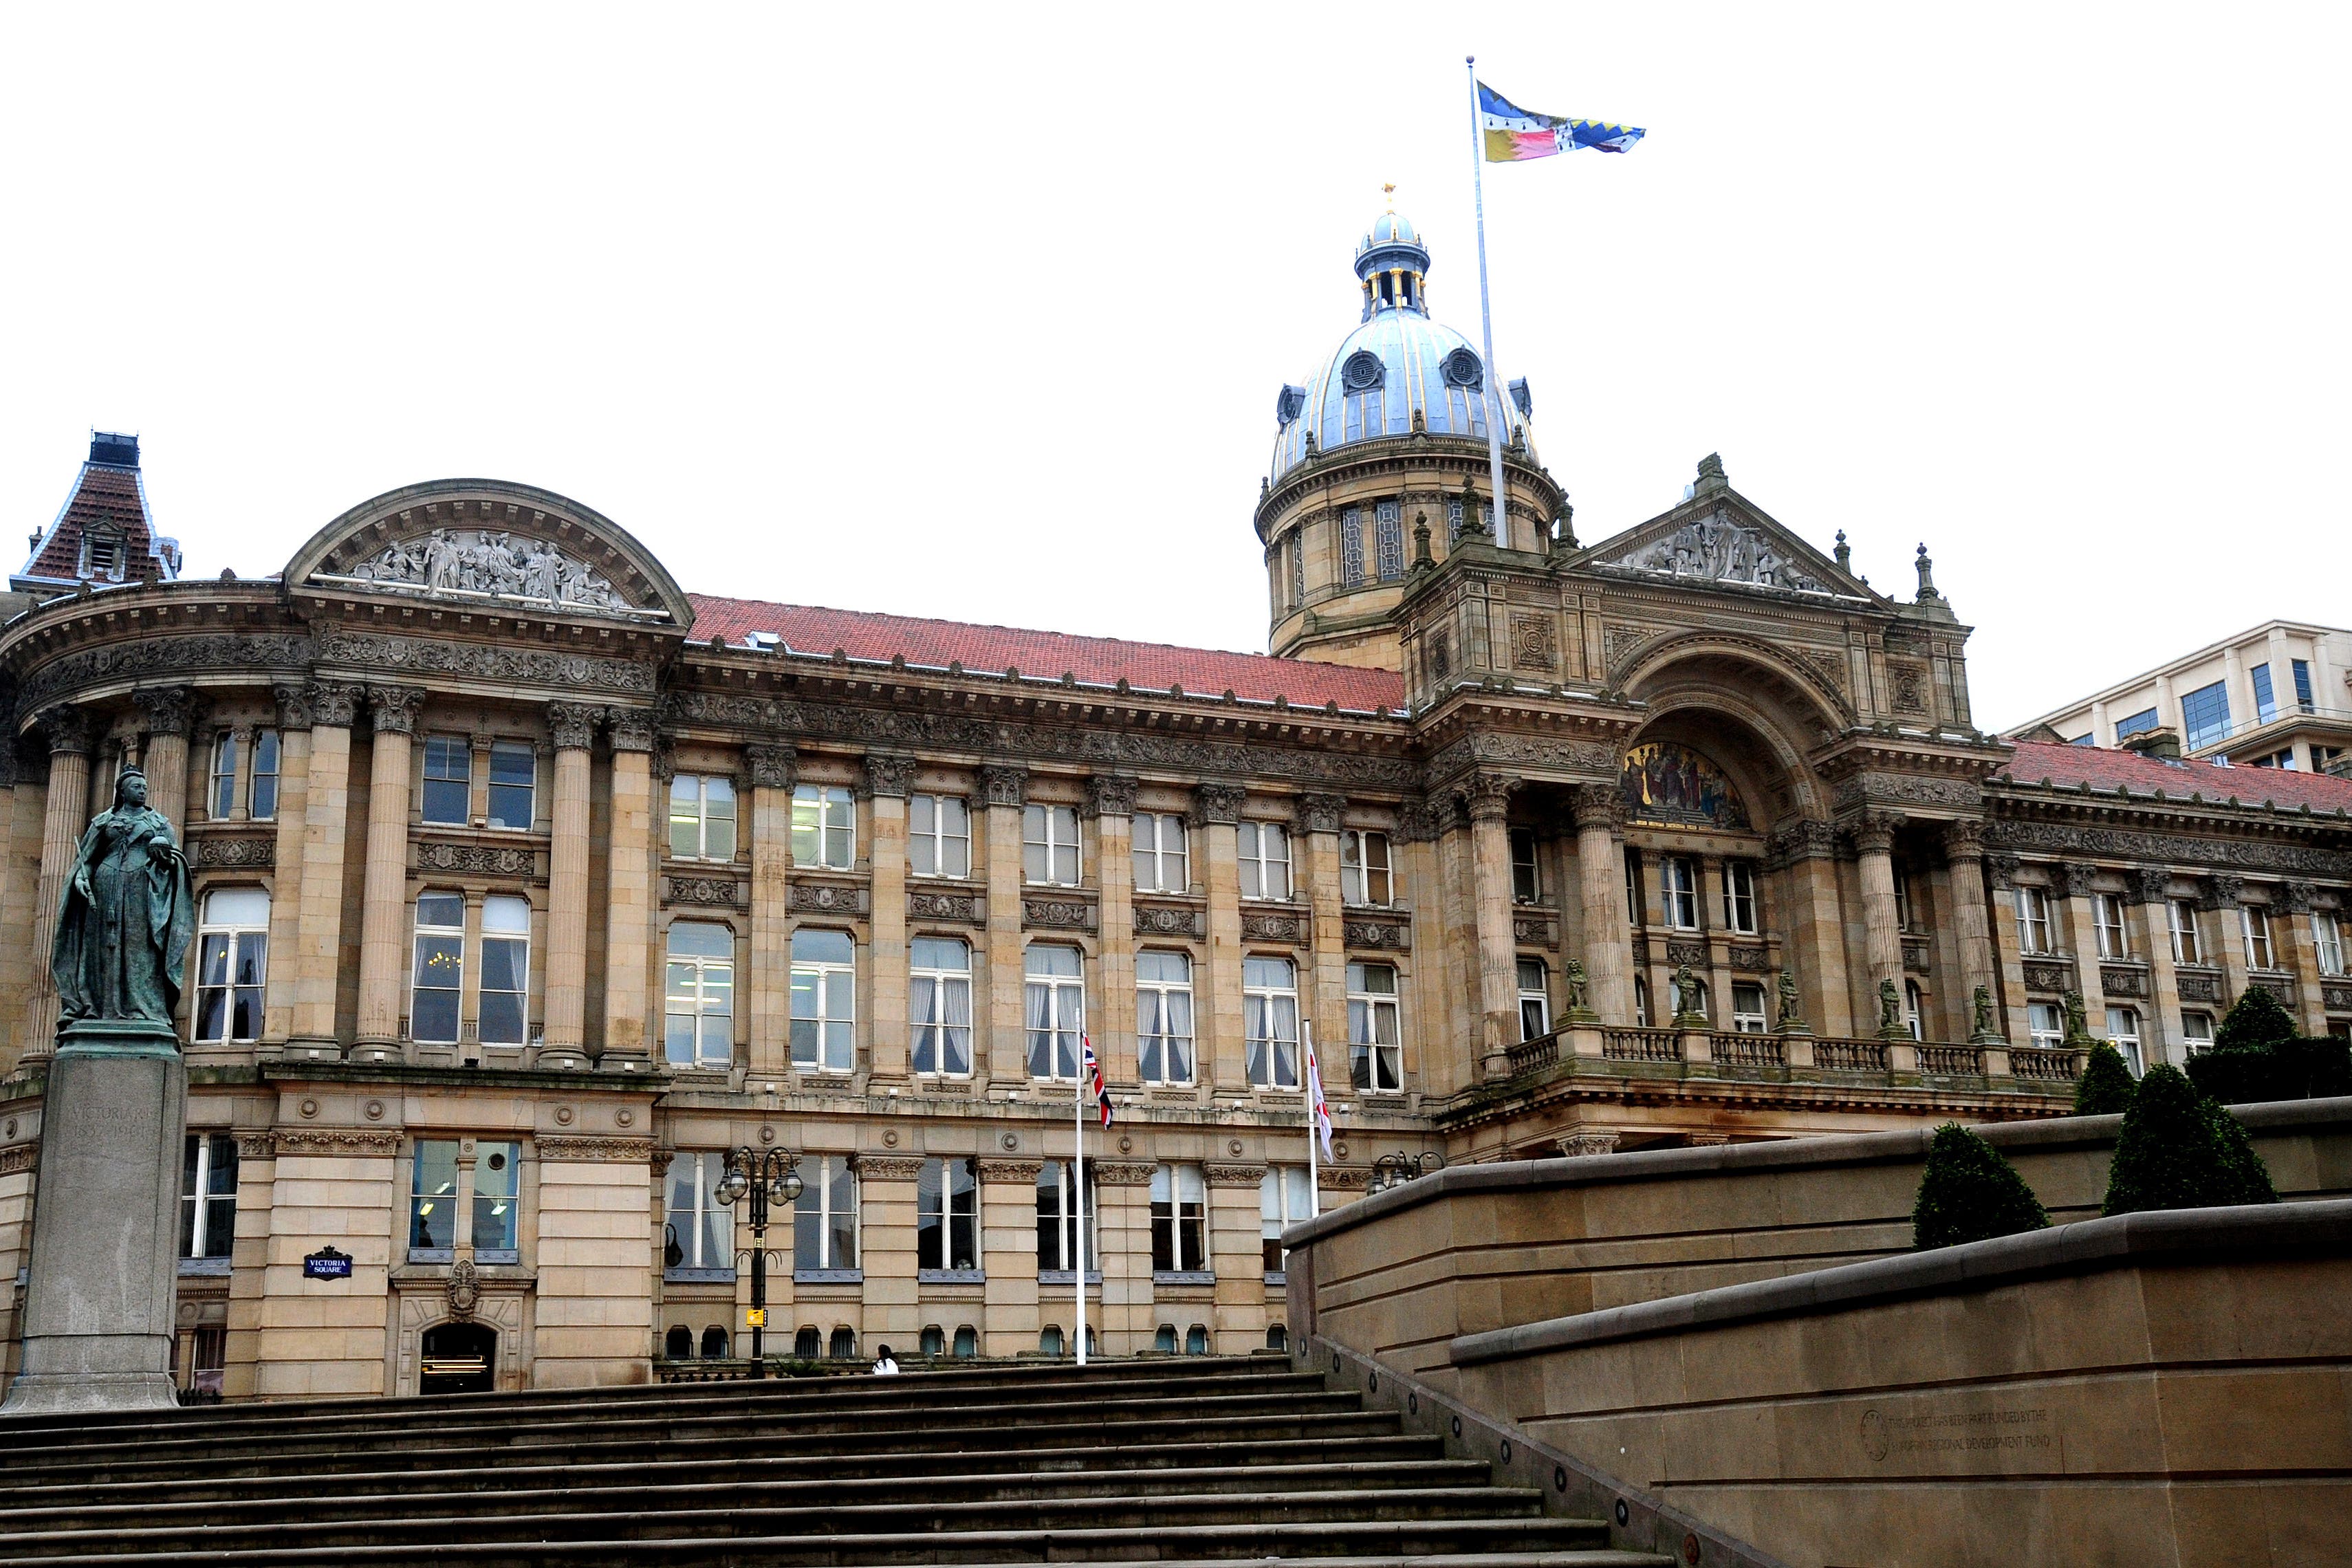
[
  {"x": 1463, "y": 368},
  {"x": 1362, "y": 371}
]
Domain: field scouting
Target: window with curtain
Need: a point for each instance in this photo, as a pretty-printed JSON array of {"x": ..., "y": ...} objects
[
  {"x": 1056, "y": 999},
  {"x": 440, "y": 971},
  {"x": 2182, "y": 913},
  {"x": 1283, "y": 1199},
  {"x": 1270, "y": 1021},
  {"x": 232, "y": 964},
  {"x": 2032, "y": 919},
  {"x": 506, "y": 970},
  {"x": 1375, "y": 1042},
  {"x": 699, "y": 995},
  {"x": 1180, "y": 1220},
  {"x": 939, "y": 1005},
  {"x": 2327, "y": 936},
  {"x": 1535, "y": 999},
  {"x": 2123, "y": 1028},
  {"x": 825, "y": 1007},
  {"x": 1164, "y": 1016},
  {"x": 947, "y": 1214},
  {"x": 1747, "y": 1007}
]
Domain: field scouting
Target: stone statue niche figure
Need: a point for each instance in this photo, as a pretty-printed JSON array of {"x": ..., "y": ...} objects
[
  {"x": 1890, "y": 1010},
  {"x": 127, "y": 917}
]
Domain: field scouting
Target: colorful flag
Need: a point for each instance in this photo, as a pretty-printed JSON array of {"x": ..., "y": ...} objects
[
  {"x": 1515, "y": 135},
  {"x": 1093, "y": 1071},
  {"x": 1319, "y": 1114}
]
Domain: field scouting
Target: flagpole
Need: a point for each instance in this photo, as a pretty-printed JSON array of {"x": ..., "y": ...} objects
[
  {"x": 1078, "y": 1204},
  {"x": 1496, "y": 414},
  {"x": 1313, "y": 1093}
]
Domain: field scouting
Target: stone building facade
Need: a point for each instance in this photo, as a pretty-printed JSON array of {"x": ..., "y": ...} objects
[{"x": 530, "y": 883}]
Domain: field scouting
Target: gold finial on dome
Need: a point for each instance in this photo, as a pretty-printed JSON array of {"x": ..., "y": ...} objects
[{"x": 1389, "y": 190}]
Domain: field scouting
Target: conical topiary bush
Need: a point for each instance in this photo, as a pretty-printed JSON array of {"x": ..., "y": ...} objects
[
  {"x": 2106, "y": 1086},
  {"x": 2180, "y": 1149},
  {"x": 2256, "y": 1019},
  {"x": 1969, "y": 1192}
]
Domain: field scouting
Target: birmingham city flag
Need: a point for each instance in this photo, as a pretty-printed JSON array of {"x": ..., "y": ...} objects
[{"x": 1514, "y": 134}]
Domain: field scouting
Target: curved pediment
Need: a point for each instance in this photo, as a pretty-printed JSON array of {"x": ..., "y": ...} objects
[{"x": 495, "y": 546}]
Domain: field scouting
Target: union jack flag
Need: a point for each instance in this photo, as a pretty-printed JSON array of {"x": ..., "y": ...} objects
[{"x": 1091, "y": 1074}]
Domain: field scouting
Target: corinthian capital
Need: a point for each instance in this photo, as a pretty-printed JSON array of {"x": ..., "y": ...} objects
[
  {"x": 632, "y": 728},
  {"x": 1873, "y": 831},
  {"x": 772, "y": 767},
  {"x": 392, "y": 708},
  {"x": 1001, "y": 784},
  {"x": 1489, "y": 797},
  {"x": 1217, "y": 802},
  {"x": 1598, "y": 806},
  {"x": 67, "y": 728},
  {"x": 169, "y": 709},
  {"x": 572, "y": 725},
  {"x": 1110, "y": 795}
]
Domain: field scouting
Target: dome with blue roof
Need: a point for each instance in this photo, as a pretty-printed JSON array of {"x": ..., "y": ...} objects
[{"x": 1399, "y": 370}]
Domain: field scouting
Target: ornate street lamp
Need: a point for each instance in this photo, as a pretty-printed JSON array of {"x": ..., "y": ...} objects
[
  {"x": 767, "y": 1175},
  {"x": 1395, "y": 1170}
]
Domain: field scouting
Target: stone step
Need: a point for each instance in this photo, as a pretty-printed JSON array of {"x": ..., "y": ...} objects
[
  {"x": 923, "y": 1487},
  {"x": 1312, "y": 1538},
  {"x": 725, "y": 1464}
]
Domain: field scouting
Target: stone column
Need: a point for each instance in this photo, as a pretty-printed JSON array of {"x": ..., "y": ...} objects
[
  {"x": 1490, "y": 850},
  {"x": 2291, "y": 906},
  {"x": 1111, "y": 802},
  {"x": 257, "y": 1183},
  {"x": 168, "y": 711},
  {"x": 629, "y": 889},
  {"x": 20, "y": 878},
  {"x": 2000, "y": 872},
  {"x": 886, "y": 1199},
  {"x": 1237, "y": 1315},
  {"x": 1874, "y": 842},
  {"x": 767, "y": 989},
  {"x": 886, "y": 779},
  {"x": 2074, "y": 881},
  {"x": 1217, "y": 1007},
  {"x": 1808, "y": 854},
  {"x": 565, "y": 1035},
  {"x": 1003, "y": 1054},
  {"x": 383, "y": 903},
  {"x": 1450, "y": 1058},
  {"x": 1964, "y": 859},
  {"x": 286, "y": 901},
  {"x": 1123, "y": 1243},
  {"x": 1325, "y": 999},
  {"x": 1008, "y": 1253},
  {"x": 317, "y": 953},
  {"x": 69, "y": 732},
  {"x": 2159, "y": 1029},
  {"x": 1601, "y": 882}
]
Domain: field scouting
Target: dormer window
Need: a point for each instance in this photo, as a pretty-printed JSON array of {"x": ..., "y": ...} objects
[{"x": 102, "y": 555}]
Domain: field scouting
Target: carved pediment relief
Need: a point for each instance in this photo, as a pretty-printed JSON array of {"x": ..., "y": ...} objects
[
  {"x": 1721, "y": 544},
  {"x": 489, "y": 565}
]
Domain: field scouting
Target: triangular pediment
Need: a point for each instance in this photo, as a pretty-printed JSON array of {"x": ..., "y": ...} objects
[{"x": 1721, "y": 540}]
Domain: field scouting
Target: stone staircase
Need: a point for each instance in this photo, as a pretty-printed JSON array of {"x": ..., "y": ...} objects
[{"x": 1197, "y": 1461}]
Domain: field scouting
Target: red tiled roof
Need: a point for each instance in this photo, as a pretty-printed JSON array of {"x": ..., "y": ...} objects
[
  {"x": 2102, "y": 769},
  {"x": 102, "y": 494},
  {"x": 1155, "y": 666}
]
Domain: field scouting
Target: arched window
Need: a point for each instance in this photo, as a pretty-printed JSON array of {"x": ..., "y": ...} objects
[
  {"x": 1049, "y": 1341},
  {"x": 933, "y": 1341},
  {"x": 232, "y": 964},
  {"x": 679, "y": 1343},
  {"x": 1196, "y": 1340},
  {"x": 1915, "y": 1009},
  {"x": 1277, "y": 1337},
  {"x": 967, "y": 1340},
  {"x": 844, "y": 1344},
  {"x": 714, "y": 1343},
  {"x": 807, "y": 1343},
  {"x": 1164, "y": 1341}
]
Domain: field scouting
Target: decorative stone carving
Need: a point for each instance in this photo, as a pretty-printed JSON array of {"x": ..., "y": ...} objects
[
  {"x": 887, "y": 774},
  {"x": 256, "y": 1146},
  {"x": 1058, "y": 914},
  {"x": 333, "y": 1141},
  {"x": 464, "y": 1289},
  {"x": 1171, "y": 920},
  {"x": 1792, "y": 1020},
  {"x": 2221, "y": 892},
  {"x": 889, "y": 1167},
  {"x": 1533, "y": 645},
  {"x": 1598, "y": 806},
  {"x": 293, "y": 705},
  {"x": 1720, "y": 548},
  {"x": 67, "y": 730},
  {"x": 630, "y": 728},
  {"x": 213, "y": 852},
  {"x": 924, "y": 904},
  {"x": 1414, "y": 823},
  {"x": 334, "y": 703},
  {"x": 772, "y": 767},
  {"x": 1000, "y": 784},
  {"x": 1577, "y": 1145},
  {"x": 1750, "y": 960},
  {"x": 165, "y": 655},
  {"x": 1110, "y": 795},
  {"x": 1319, "y": 813},
  {"x": 168, "y": 710},
  {"x": 1964, "y": 840},
  {"x": 490, "y": 859},
  {"x": 1021, "y": 1173},
  {"x": 1227, "y": 1176},
  {"x": 630, "y": 1151},
  {"x": 2122, "y": 982},
  {"x": 826, "y": 898},
  {"x": 571, "y": 725},
  {"x": 1983, "y": 1031},
  {"x": 1901, "y": 790},
  {"x": 2149, "y": 884},
  {"x": 2002, "y": 871},
  {"x": 1909, "y": 682},
  {"x": 2074, "y": 879},
  {"x": 1377, "y": 935},
  {"x": 2293, "y": 897},
  {"x": 720, "y": 893},
  {"x": 2253, "y": 855},
  {"x": 1802, "y": 841},
  {"x": 488, "y": 565},
  {"x": 508, "y": 663},
  {"x": 1217, "y": 802},
  {"x": 2200, "y": 987},
  {"x": 1872, "y": 832},
  {"x": 1507, "y": 754},
  {"x": 2047, "y": 976},
  {"x": 2335, "y": 998},
  {"x": 1686, "y": 953},
  {"x": 391, "y": 710},
  {"x": 1273, "y": 927},
  {"x": 1122, "y": 1172},
  {"x": 1489, "y": 797},
  {"x": 1914, "y": 956}
]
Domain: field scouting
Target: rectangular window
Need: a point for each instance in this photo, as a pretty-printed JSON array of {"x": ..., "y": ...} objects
[
  {"x": 2182, "y": 913},
  {"x": 1740, "y": 897},
  {"x": 448, "y": 794},
  {"x": 498, "y": 1189},
  {"x": 700, "y": 1233},
  {"x": 506, "y": 970},
  {"x": 2032, "y": 920},
  {"x": 2255, "y": 922},
  {"x": 2197, "y": 1031},
  {"x": 2143, "y": 719},
  {"x": 947, "y": 1214},
  {"x": 2044, "y": 1025},
  {"x": 1375, "y": 1044},
  {"x": 1056, "y": 996},
  {"x": 1057, "y": 1220},
  {"x": 1266, "y": 861},
  {"x": 1351, "y": 547},
  {"x": 2328, "y": 938},
  {"x": 208, "y": 1195},
  {"x": 232, "y": 964},
  {"x": 1180, "y": 1220},
  {"x": 699, "y": 995},
  {"x": 514, "y": 784},
  {"x": 825, "y": 827},
  {"x": 1164, "y": 1016},
  {"x": 1915, "y": 1010},
  {"x": 1283, "y": 1199},
  {"x": 1902, "y": 895},
  {"x": 2265, "y": 700},
  {"x": 1049, "y": 845},
  {"x": 1535, "y": 1000},
  {"x": 1635, "y": 910},
  {"x": 1678, "y": 891},
  {"x": 1388, "y": 546},
  {"x": 1270, "y": 1021},
  {"x": 2123, "y": 1028},
  {"x": 264, "y": 794},
  {"x": 939, "y": 1004},
  {"x": 2205, "y": 715},
  {"x": 1364, "y": 869},
  {"x": 433, "y": 1196},
  {"x": 938, "y": 835},
  {"x": 1162, "y": 865},
  {"x": 1747, "y": 1007},
  {"x": 440, "y": 968},
  {"x": 1527, "y": 871},
  {"x": 2303, "y": 701},
  {"x": 2114, "y": 936},
  {"x": 825, "y": 989},
  {"x": 225, "y": 758},
  {"x": 702, "y": 817},
  {"x": 824, "y": 1216}
]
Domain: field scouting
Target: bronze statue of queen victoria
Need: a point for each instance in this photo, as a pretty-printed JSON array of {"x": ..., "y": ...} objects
[{"x": 127, "y": 917}]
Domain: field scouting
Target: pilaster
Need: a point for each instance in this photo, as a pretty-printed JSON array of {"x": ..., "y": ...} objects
[
  {"x": 326, "y": 823},
  {"x": 383, "y": 901},
  {"x": 1111, "y": 802},
  {"x": 767, "y": 989},
  {"x": 1317, "y": 830},
  {"x": 1601, "y": 883},
  {"x": 886, "y": 782},
  {"x": 629, "y": 889},
  {"x": 1003, "y": 789},
  {"x": 573, "y": 729},
  {"x": 1217, "y": 1016}
]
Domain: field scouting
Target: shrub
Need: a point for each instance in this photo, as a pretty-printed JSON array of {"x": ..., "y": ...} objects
[
  {"x": 1969, "y": 1193},
  {"x": 2107, "y": 1084},
  {"x": 2180, "y": 1150},
  {"x": 2255, "y": 1019},
  {"x": 2305, "y": 1068}
]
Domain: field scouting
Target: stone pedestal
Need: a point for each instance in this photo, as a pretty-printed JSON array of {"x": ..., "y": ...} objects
[{"x": 98, "y": 1304}]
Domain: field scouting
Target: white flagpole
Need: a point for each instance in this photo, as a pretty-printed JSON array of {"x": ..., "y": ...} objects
[
  {"x": 1496, "y": 411},
  {"x": 1079, "y": 1206},
  {"x": 1314, "y": 1122}
]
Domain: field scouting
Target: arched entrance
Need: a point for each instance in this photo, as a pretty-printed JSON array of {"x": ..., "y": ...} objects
[{"x": 459, "y": 1358}]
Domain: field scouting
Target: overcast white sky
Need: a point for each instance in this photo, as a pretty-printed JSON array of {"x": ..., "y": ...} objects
[{"x": 980, "y": 313}]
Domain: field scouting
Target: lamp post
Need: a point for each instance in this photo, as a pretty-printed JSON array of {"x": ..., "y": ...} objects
[
  {"x": 765, "y": 1175},
  {"x": 1395, "y": 1170}
]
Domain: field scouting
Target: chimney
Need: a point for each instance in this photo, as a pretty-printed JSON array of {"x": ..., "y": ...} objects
[
  {"x": 114, "y": 451},
  {"x": 2161, "y": 743}
]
